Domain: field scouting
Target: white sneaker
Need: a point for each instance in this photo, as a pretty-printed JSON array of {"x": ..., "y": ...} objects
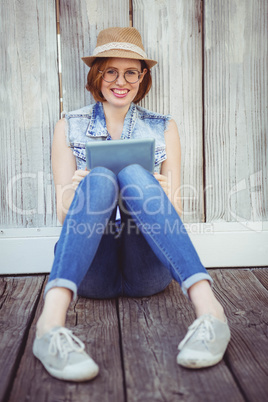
[
  {"x": 63, "y": 355},
  {"x": 205, "y": 342}
]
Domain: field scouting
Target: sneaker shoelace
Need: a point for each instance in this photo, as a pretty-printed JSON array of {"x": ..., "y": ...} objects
[
  {"x": 64, "y": 342},
  {"x": 204, "y": 329}
]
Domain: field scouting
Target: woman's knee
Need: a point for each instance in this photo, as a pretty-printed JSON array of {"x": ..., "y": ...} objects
[
  {"x": 103, "y": 174},
  {"x": 131, "y": 170},
  {"x": 134, "y": 175},
  {"x": 102, "y": 180}
]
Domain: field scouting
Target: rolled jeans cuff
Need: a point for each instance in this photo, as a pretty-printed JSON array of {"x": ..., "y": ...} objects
[
  {"x": 194, "y": 279},
  {"x": 62, "y": 283}
]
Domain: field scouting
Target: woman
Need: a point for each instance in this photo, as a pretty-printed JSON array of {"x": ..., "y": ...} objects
[{"x": 135, "y": 251}]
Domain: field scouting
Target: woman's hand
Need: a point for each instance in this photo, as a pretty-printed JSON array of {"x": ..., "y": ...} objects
[
  {"x": 78, "y": 176},
  {"x": 163, "y": 181}
]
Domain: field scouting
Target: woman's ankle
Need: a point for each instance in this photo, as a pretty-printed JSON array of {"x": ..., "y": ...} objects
[
  {"x": 204, "y": 300},
  {"x": 216, "y": 311},
  {"x": 43, "y": 325},
  {"x": 57, "y": 301}
]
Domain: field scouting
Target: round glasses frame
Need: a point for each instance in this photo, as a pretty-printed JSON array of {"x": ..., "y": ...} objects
[{"x": 117, "y": 75}]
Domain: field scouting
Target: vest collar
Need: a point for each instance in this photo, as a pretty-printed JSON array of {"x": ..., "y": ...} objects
[{"x": 97, "y": 124}]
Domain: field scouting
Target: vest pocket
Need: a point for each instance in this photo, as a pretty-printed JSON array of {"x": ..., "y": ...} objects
[
  {"x": 80, "y": 155},
  {"x": 80, "y": 152},
  {"x": 160, "y": 155}
]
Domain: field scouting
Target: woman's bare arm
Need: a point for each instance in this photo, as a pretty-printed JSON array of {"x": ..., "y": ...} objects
[
  {"x": 171, "y": 167},
  {"x": 66, "y": 177}
]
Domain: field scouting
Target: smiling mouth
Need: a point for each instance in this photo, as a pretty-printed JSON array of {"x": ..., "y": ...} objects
[{"x": 120, "y": 91}]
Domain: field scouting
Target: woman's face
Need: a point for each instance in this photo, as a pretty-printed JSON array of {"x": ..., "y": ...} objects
[{"x": 121, "y": 93}]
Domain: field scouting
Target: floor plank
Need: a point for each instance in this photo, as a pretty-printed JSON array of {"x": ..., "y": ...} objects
[
  {"x": 151, "y": 330},
  {"x": 245, "y": 303},
  {"x": 95, "y": 322},
  {"x": 18, "y": 297},
  {"x": 262, "y": 275}
]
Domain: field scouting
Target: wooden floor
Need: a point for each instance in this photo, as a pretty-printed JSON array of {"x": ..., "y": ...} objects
[{"x": 135, "y": 341}]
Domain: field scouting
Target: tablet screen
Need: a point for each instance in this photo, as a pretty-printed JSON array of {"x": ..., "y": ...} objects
[{"x": 117, "y": 154}]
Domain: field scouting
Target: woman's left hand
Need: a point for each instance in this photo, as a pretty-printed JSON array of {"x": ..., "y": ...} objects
[{"x": 163, "y": 181}]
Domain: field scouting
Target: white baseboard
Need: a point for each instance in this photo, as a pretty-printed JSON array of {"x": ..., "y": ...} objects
[{"x": 221, "y": 244}]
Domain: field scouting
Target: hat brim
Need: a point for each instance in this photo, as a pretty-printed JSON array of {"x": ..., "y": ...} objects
[{"x": 121, "y": 54}]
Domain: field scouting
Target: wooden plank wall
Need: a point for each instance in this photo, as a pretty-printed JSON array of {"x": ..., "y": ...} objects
[
  {"x": 173, "y": 36},
  {"x": 211, "y": 76},
  {"x": 80, "y": 23},
  {"x": 29, "y": 109},
  {"x": 235, "y": 113}
]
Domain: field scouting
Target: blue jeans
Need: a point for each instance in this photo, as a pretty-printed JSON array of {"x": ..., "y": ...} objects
[{"x": 97, "y": 258}]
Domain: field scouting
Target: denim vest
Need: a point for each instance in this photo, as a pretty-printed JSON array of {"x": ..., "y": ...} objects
[{"x": 88, "y": 124}]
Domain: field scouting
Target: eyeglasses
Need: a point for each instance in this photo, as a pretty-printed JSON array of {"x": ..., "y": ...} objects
[{"x": 111, "y": 75}]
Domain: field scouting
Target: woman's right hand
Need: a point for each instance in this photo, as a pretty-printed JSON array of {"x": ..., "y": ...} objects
[{"x": 78, "y": 176}]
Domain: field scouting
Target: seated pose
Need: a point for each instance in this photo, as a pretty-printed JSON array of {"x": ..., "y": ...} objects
[{"x": 122, "y": 234}]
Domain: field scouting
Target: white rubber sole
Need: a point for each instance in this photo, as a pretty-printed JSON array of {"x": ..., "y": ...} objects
[
  {"x": 196, "y": 363},
  {"x": 78, "y": 372}
]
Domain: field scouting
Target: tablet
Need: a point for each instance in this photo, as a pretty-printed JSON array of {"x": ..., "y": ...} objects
[{"x": 117, "y": 154}]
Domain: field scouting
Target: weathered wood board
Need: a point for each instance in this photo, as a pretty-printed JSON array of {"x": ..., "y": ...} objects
[
  {"x": 18, "y": 298},
  {"x": 95, "y": 323},
  {"x": 80, "y": 23},
  {"x": 172, "y": 34},
  {"x": 235, "y": 109},
  {"x": 223, "y": 105},
  {"x": 245, "y": 301},
  {"x": 151, "y": 331},
  {"x": 29, "y": 100},
  {"x": 137, "y": 355},
  {"x": 262, "y": 275}
]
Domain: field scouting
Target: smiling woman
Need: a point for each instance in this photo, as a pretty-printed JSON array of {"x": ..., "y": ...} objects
[
  {"x": 100, "y": 65},
  {"x": 119, "y": 87},
  {"x": 122, "y": 234}
]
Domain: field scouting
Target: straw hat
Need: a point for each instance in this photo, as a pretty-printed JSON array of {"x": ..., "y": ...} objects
[{"x": 125, "y": 43}]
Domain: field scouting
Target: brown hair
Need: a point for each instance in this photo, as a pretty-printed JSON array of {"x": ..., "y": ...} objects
[{"x": 94, "y": 80}]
